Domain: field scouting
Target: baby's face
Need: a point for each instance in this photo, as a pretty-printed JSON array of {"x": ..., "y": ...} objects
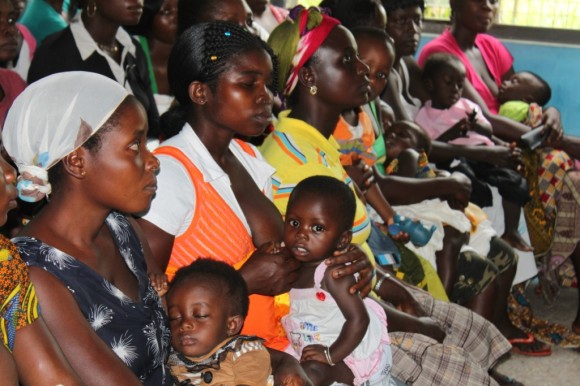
[
  {"x": 521, "y": 86},
  {"x": 398, "y": 137},
  {"x": 312, "y": 228},
  {"x": 198, "y": 316}
]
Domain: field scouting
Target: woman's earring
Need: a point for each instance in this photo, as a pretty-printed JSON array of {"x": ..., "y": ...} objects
[
  {"x": 91, "y": 9},
  {"x": 313, "y": 90},
  {"x": 83, "y": 173}
]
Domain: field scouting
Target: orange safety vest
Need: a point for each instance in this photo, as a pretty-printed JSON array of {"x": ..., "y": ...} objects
[{"x": 216, "y": 232}]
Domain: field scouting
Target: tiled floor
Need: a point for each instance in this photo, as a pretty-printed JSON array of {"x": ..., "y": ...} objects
[{"x": 563, "y": 366}]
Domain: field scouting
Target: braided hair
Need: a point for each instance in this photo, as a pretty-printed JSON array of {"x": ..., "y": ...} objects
[{"x": 202, "y": 53}]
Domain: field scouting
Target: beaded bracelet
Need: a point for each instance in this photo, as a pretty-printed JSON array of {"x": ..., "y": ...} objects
[
  {"x": 328, "y": 358},
  {"x": 380, "y": 282}
]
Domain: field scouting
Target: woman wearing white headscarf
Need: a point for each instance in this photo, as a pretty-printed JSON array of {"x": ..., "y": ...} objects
[{"x": 80, "y": 139}]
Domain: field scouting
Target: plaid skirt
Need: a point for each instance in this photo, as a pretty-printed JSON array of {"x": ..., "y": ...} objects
[{"x": 472, "y": 346}]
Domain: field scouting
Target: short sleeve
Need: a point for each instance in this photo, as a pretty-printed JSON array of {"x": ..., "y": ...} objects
[{"x": 173, "y": 207}]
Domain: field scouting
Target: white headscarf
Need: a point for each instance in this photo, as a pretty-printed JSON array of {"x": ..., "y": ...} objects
[{"x": 53, "y": 117}]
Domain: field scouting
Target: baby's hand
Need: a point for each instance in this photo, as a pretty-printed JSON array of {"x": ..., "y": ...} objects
[
  {"x": 314, "y": 352},
  {"x": 159, "y": 283}
]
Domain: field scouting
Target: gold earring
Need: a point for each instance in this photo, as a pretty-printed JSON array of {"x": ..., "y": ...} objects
[
  {"x": 313, "y": 90},
  {"x": 83, "y": 173},
  {"x": 91, "y": 9}
]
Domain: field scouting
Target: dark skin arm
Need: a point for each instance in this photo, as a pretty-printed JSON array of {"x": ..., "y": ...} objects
[
  {"x": 403, "y": 312},
  {"x": 403, "y": 190},
  {"x": 392, "y": 95},
  {"x": 45, "y": 364},
  {"x": 94, "y": 362},
  {"x": 353, "y": 329},
  {"x": 287, "y": 371}
]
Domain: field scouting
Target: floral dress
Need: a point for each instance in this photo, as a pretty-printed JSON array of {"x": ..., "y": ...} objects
[{"x": 136, "y": 331}]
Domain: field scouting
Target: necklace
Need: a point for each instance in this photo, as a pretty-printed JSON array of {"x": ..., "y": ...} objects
[{"x": 112, "y": 49}]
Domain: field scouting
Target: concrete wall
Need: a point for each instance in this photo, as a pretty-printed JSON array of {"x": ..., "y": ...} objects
[{"x": 559, "y": 65}]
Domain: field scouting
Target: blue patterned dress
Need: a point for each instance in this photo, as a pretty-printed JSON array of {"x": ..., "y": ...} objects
[{"x": 137, "y": 332}]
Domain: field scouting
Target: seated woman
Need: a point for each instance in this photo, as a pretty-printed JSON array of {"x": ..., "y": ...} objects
[
  {"x": 36, "y": 358},
  {"x": 80, "y": 137},
  {"x": 319, "y": 82},
  {"x": 222, "y": 76},
  {"x": 549, "y": 172},
  {"x": 95, "y": 41}
]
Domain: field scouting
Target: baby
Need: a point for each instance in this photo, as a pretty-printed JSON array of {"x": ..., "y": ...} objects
[
  {"x": 336, "y": 335},
  {"x": 207, "y": 304},
  {"x": 522, "y": 97},
  {"x": 448, "y": 117}
]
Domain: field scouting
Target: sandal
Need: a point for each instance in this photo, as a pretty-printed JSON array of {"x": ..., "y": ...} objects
[{"x": 529, "y": 341}]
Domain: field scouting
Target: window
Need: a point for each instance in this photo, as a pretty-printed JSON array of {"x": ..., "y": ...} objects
[{"x": 563, "y": 14}]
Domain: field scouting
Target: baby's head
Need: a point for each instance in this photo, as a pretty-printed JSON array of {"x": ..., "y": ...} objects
[
  {"x": 207, "y": 303},
  {"x": 403, "y": 135},
  {"x": 319, "y": 218},
  {"x": 377, "y": 50},
  {"x": 443, "y": 77},
  {"x": 525, "y": 86},
  {"x": 387, "y": 115}
]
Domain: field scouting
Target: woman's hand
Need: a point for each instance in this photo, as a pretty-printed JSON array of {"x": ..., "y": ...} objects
[
  {"x": 359, "y": 263},
  {"x": 552, "y": 122},
  {"x": 428, "y": 327},
  {"x": 270, "y": 270},
  {"x": 461, "y": 188}
]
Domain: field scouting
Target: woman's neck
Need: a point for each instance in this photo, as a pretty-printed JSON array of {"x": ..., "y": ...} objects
[
  {"x": 68, "y": 219},
  {"x": 465, "y": 37},
  {"x": 216, "y": 140},
  {"x": 159, "y": 52},
  {"x": 102, "y": 31},
  {"x": 320, "y": 116}
]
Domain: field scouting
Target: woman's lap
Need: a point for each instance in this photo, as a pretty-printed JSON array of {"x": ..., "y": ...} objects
[{"x": 471, "y": 347}]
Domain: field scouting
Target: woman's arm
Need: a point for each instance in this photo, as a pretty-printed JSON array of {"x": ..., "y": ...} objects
[
  {"x": 403, "y": 190},
  {"x": 354, "y": 328},
  {"x": 94, "y": 361},
  {"x": 39, "y": 359},
  {"x": 392, "y": 95}
]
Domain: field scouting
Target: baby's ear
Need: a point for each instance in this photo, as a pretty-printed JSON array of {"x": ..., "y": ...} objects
[
  {"x": 428, "y": 84},
  {"x": 344, "y": 240},
  {"x": 234, "y": 324}
]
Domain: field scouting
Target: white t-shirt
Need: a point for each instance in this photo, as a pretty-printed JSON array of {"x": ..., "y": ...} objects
[{"x": 173, "y": 207}]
